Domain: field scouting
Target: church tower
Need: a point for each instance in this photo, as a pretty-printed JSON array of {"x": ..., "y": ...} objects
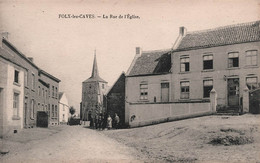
[{"x": 93, "y": 90}]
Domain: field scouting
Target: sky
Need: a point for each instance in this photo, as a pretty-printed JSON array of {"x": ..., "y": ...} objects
[{"x": 64, "y": 47}]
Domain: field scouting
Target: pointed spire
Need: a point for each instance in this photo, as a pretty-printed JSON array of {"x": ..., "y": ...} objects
[{"x": 95, "y": 68}]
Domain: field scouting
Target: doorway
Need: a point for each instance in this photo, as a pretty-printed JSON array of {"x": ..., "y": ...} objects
[{"x": 233, "y": 92}]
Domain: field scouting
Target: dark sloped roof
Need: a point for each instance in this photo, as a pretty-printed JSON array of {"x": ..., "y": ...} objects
[
  {"x": 7, "y": 56},
  {"x": 95, "y": 75},
  {"x": 233, "y": 34},
  {"x": 152, "y": 62}
]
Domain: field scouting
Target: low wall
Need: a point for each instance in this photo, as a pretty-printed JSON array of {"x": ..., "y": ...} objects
[{"x": 152, "y": 113}]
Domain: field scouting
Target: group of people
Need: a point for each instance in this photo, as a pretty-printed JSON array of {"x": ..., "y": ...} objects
[{"x": 102, "y": 122}]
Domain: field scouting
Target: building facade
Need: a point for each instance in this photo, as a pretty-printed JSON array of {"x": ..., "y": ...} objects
[
  {"x": 11, "y": 94},
  {"x": 116, "y": 99},
  {"x": 36, "y": 83},
  {"x": 223, "y": 61},
  {"x": 63, "y": 108},
  {"x": 225, "y": 58},
  {"x": 93, "y": 91}
]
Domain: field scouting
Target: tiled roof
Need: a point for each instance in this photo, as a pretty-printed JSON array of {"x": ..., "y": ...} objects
[
  {"x": 233, "y": 34},
  {"x": 152, "y": 62}
]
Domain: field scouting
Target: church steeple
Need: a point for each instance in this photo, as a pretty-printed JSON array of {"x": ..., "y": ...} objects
[{"x": 95, "y": 73}]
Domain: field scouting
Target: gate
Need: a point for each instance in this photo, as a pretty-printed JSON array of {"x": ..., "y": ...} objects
[
  {"x": 42, "y": 119},
  {"x": 254, "y": 101}
]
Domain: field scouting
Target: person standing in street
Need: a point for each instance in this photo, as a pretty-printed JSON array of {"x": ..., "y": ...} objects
[{"x": 109, "y": 122}]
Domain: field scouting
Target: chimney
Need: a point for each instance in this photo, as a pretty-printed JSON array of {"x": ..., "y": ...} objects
[
  {"x": 4, "y": 35},
  {"x": 138, "y": 51},
  {"x": 31, "y": 59},
  {"x": 183, "y": 31}
]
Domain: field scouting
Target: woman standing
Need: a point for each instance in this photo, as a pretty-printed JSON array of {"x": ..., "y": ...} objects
[{"x": 109, "y": 122}]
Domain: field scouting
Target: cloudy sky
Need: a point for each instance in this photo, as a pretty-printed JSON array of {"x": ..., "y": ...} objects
[{"x": 64, "y": 47}]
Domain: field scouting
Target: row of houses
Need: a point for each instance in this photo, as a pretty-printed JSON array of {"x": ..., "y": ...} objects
[
  {"x": 203, "y": 68},
  {"x": 26, "y": 89}
]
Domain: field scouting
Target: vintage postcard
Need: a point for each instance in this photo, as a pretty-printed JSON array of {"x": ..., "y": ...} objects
[{"x": 130, "y": 81}]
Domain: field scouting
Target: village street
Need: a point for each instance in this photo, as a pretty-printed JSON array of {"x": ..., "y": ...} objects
[{"x": 71, "y": 144}]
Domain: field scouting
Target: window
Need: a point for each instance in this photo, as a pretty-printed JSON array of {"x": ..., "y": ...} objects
[
  {"x": 39, "y": 106},
  {"x": 103, "y": 86},
  {"x": 39, "y": 90},
  {"x": 56, "y": 92},
  {"x": 33, "y": 81},
  {"x": 49, "y": 110},
  {"x": 233, "y": 60},
  {"x": 52, "y": 91},
  {"x": 42, "y": 92},
  {"x": 185, "y": 90},
  {"x": 16, "y": 105},
  {"x": 207, "y": 62},
  {"x": 46, "y": 108},
  {"x": 251, "y": 83},
  {"x": 32, "y": 109},
  {"x": 207, "y": 87},
  {"x": 251, "y": 58},
  {"x": 63, "y": 117},
  {"x": 185, "y": 64},
  {"x": 49, "y": 91},
  {"x": 56, "y": 111},
  {"x": 16, "y": 76},
  {"x": 52, "y": 110},
  {"x": 164, "y": 92},
  {"x": 26, "y": 78},
  {"x": 46, "y": 93},
  {"x": 143, "y": 91}
]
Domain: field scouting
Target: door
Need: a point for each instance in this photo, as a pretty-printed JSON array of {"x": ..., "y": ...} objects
[
  {"x": 233, "y": 92},
  {"x": 164, "y": 92}
]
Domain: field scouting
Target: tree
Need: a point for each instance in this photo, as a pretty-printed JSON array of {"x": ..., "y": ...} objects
[{"x": 72, "y": 110}]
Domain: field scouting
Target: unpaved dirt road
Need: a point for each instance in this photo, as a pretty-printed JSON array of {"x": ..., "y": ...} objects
[{"x": 73, "y": 144}]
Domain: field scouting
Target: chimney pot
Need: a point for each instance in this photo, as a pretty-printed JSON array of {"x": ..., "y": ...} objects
[
  {"x": 183, "y": 31},
  {"x": 4, "y": 35},
  {"x": 138, "y": 51}
]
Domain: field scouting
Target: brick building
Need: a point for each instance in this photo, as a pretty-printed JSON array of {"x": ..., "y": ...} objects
[{"x": 39, "y": 87}]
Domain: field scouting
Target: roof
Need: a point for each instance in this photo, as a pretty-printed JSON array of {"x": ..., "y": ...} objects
[
  {"x": 7, "y": 56},
  {"x": 95, "y": 75},
  {"x": 14, "y": 49},
  {"x": 152, "y": 63},
  {"x": 49, "y": 75},
  {"x": 232, "y": 34}
]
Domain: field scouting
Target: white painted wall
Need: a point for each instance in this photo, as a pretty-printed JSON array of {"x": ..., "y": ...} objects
[{"x": 64, "y": 108}]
